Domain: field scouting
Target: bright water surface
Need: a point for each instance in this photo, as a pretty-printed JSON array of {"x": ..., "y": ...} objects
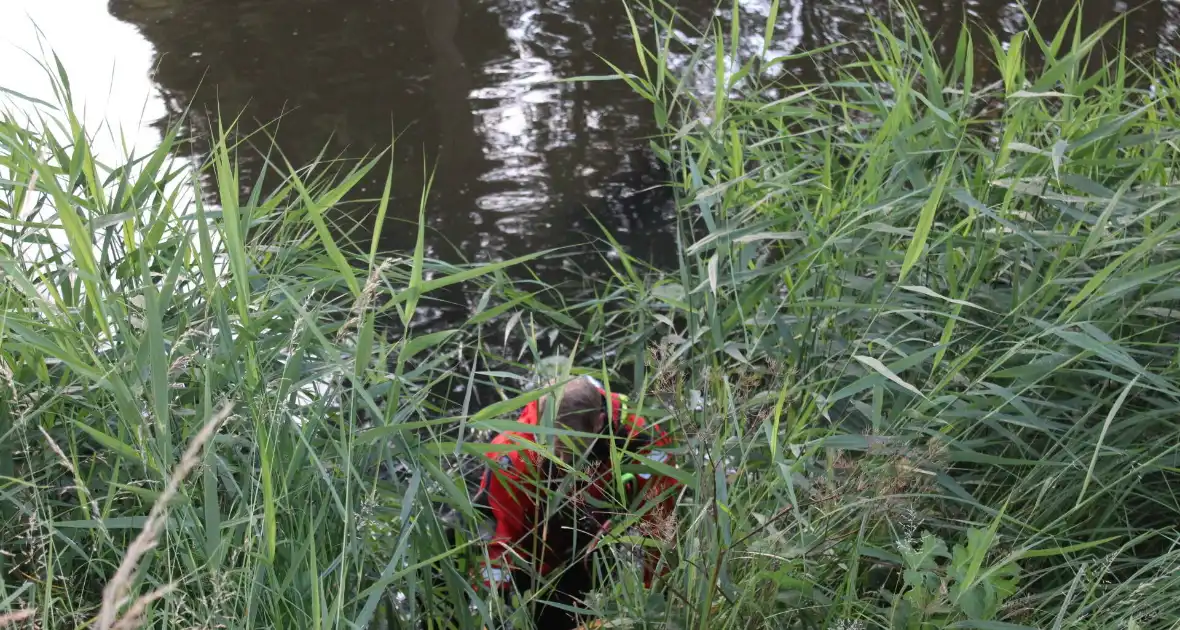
[{"x": 524, "y": 162}]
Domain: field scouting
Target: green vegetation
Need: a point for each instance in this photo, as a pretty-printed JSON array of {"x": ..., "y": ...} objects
[{"x": 922, "y": 349}]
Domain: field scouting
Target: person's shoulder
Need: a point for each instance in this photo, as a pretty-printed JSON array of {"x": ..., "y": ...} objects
[
  {"x": 652, "y": 434},
  {"x": 519, "y": 454},
  {"x": 530, "y": 414},
  {"x": 504, "y": 438},
  {"x": 528, "y": 417}
]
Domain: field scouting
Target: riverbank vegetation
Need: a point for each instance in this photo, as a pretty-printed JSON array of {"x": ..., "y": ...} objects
[{"x": 922, "y": 352}]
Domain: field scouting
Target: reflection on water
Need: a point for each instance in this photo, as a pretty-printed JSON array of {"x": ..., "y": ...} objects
[{"x": 524, "y": 162}]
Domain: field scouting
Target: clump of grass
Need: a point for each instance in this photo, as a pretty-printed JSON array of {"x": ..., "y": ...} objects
[
  {"x": 115, "y": 592},
  {"x": 131, "y": 307},
  {"x": 931, "y": 325}
]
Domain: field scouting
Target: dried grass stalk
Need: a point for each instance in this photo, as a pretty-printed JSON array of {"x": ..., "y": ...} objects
[
  {"x": 115, "y": 592},
  {"x": 7, "y": 619}
]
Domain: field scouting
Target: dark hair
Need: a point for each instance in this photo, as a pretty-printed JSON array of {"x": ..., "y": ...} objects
[{"x": 579, "y": 404}]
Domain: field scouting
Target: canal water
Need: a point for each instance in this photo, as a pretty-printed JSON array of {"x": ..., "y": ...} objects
[{"x": 524, "y": 162}]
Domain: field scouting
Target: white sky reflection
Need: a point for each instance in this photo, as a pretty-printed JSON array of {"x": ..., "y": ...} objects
[
  {"x": 108, "y": 64},
  {"x": 510, "y": 114}
]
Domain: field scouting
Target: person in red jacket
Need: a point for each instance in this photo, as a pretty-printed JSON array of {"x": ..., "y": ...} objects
[{"x": 550, "y": 516}]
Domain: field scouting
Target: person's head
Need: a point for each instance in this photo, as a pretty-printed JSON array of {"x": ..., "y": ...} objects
[{"x": 579, "y": 407}]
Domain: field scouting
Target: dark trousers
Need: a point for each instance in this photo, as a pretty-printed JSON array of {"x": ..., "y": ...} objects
[{"x": 568, "y": 585}]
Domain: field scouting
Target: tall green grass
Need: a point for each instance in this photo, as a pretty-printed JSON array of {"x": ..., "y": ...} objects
[
  {"x": 934, "y": 326},
  {"x": 133, "y": 312},
  {"x": 920, "y": 352}
]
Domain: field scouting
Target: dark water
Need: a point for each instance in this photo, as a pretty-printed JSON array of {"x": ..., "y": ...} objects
[{"x": 523, "y": 162}]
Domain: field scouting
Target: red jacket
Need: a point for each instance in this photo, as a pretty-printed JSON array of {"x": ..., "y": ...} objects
[{"x": 510, "y": 486}]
